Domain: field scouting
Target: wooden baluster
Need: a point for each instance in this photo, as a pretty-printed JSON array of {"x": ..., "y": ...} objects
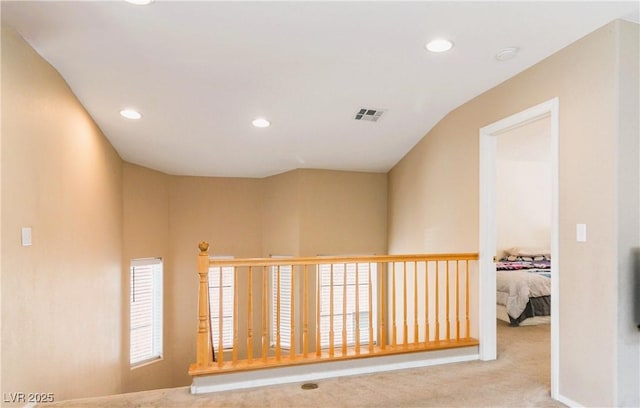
[
  {"x": 250, "y": 315},
  {"x": 278, "y": 313},
  {"x": 457, "y": 300},
  {"x": 331, "y": 313},
  {"x": 292, "y": 345},
  {"x": 234, "y": 353},
  {"x": 344, "y": 309},
  {"x": 318, "y": 284},
  {"x": 426, "y": 303},
  {"x": 405, "y": 326},
  {"x": 447, "y": 304},
  {"x": 415, "y": 303},
  {"x": 357, "y": 298},
  {"x": 272, "y": 315},
  {"x": 305, "y": 311},
  {"x": 466, "y": 302},
  {"x": 210, "y": 318},
  {"x": 220, "y": 321},
  {"x": 204, "y": 354},
  {"x": 383, "y": 310},
  {"x": 370, "y": 288},
  {"x": 437, "y": 302},
  {"x": 393, "y": 299},
  {"x": 265, "y": 338}
]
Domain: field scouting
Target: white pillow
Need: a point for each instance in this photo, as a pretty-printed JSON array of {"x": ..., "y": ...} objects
[{"x": 528, "y": 251}]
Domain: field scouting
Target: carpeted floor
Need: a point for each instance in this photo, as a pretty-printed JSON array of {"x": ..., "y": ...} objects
[{"x": 520, "y": 377}]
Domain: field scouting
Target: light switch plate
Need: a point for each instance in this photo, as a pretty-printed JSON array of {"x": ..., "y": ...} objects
[
  {"x": 581, "y": 232},
  {"x": 26, "y": 236}
]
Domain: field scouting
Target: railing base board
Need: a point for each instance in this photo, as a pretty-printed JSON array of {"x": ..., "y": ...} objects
[
  {"x": 329, "y": 369},
  {"x": 286, "y": 360}
]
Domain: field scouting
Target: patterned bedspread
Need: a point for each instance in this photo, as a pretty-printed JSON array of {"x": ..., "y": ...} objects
[
  {"x": 540, "y": 265},
  {"x": 515, "y": 287}
]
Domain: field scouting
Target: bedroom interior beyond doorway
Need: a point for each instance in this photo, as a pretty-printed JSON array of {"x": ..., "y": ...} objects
[{"x": 488, "y": 231}]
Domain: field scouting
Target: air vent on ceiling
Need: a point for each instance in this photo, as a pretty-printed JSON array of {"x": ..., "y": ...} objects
[{"x": 372, "y": 115}]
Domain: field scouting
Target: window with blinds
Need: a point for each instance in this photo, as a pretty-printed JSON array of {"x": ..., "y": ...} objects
[
  {"x": 227, "y": 284},
  {"x": 364, "y": 271},
  {"x": 145, "y": 308},
  {"x": 281, "y": 277}
]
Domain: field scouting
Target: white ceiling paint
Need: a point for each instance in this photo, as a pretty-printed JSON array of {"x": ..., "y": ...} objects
[{"x": 200, "y": 72}]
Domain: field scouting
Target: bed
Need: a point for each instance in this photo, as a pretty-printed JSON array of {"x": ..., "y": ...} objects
[{"x": 523, "y": 287}]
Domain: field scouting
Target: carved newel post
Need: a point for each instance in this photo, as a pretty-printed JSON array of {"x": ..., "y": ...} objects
[{"x": 203, "y": 348}]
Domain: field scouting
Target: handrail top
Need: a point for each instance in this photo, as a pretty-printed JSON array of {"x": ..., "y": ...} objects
[{"x": 314, "y": 260}]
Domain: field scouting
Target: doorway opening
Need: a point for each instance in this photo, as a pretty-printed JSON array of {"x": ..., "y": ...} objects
[{"x": 488, "y": 228}]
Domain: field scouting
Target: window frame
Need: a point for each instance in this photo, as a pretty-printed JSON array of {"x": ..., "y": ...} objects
[
  {"x": 156, "y": 316},
  {"x": 338, "y": 289},
  {"x": 284, "y": 345},
  {"x": 228, "y": 318}
]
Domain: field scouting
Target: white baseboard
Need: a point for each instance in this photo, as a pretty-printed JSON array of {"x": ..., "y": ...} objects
[
  {"x": 319, "y": 371},
  {"x": 569, "y": 402}
]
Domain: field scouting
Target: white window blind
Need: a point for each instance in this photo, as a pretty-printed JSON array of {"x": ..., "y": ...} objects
[
  {"x": 227, "y": 304},
  {"x": 285, "y": 304},
  {"x": 350, "y": 311},
  {"x": 145, "y": 307}
]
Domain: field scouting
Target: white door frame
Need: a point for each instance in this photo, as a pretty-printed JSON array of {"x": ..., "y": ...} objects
[{"x": 487, "y": 239}]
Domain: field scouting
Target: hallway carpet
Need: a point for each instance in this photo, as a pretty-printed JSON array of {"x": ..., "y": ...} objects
[{"x": 520, "y": 377}]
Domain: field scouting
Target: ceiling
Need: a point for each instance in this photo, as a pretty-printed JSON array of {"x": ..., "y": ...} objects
[{"x": 200, "y": 72}]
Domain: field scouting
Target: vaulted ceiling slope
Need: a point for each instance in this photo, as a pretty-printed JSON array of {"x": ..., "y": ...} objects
[{"x": 200, "y": 72}]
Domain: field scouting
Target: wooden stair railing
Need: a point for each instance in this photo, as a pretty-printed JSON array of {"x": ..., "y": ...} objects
[
  {"x": 405, "y": 284},
  {"x": 204, "y": 355}
]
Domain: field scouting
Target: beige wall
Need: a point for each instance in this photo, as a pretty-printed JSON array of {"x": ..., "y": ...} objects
[
  {"x": 342, "y": 213},
  {"x": 434, "y": 189},
  {"x": 433, "y": 193},
  {"x": 628, "y": 173},
  {"x": 166, "y": 216},
  {"x": 320, "y": 211},
  {"x": 310, "y": 212},
  {"x": 65, "y": 299},
  {"x": 523, "y": 187},
  {"x": 62, "y": 296},
  {"x": 281, "y": 214},
  {"x": 523, "y": 204},
  {"x": 1, "y": 388},
  {"x": 227, "y": 213},
  {"x": 145, "y": 235}
]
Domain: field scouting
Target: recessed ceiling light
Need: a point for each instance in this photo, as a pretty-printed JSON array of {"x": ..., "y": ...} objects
[
  {"x": 130, "y": 114},
  {"x": 507, "y": 53},
  {"x": 140, "y": 2},
  {"x": 261, "y": 123},
  {"x": 439, "y": 45}
]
